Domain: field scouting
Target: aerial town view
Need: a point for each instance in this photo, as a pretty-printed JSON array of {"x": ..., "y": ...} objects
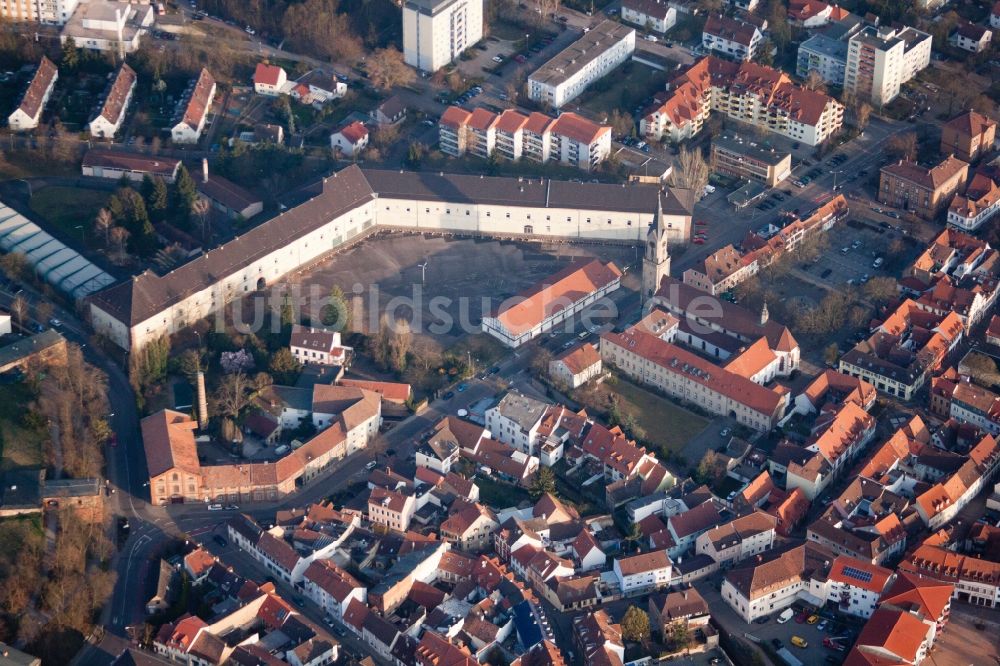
[{"x": 499, "y": 332}]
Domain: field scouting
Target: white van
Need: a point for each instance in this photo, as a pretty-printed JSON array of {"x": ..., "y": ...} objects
[{"x": 786, "y": 615}]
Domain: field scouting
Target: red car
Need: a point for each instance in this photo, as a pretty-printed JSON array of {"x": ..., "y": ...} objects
[
  {"x": 520, "y": 58},
  {"x": 113, "y": 440},
  {"x": 698, "y": 241},
  {"x": 801, "y": 618}
]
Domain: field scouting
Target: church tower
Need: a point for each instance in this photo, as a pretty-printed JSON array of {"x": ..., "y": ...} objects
[{"x": 656, "y": 260}]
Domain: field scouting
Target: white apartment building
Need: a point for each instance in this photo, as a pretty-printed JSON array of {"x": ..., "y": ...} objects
[
  {"x": 880, "y": 60},
  {"x": 854, "y": 585},
  {"x": 641, "y": 573},
  {"x": 515, "y": 421},
  {"x": 436, "y": 32},
  {"x": 760, "y": 589},
  {"x": 655, "y": 15},
  {"x": 42, "y": 11},
  {"x": 825, "y": 55},
  {"x": 748, "y": 92},
  {"x": 738, "y": 539},
  {"x": 332, "y": 588},
  {"x": 731, "y": 37},
  {"x": 109, "y": 120},
  {"x": 570, "y": 138},
  {"x": 28, "y": 113},
  {"x": 593, "y": 56}
]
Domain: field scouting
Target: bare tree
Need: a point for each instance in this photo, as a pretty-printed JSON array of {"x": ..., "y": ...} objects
[
  {"x": 103, "y": 224},
  {"x": 399, "y": 344},
  {"x": 881, "y": 290},
  {"x": 814, "y": 81},
  {"x": 43, "y": 311},
  {"x": 386, "y": 69},
  {"x": 691, "y": 171},
  {"x": 119, "y": 235},
  {"x": 19, "y": 308},
  {"x": 903, "y": 146},
  {"x": 233, "y": 394},
  {"x": 863, "y": 114},
  {"x": 621, "y": 123},
  {"x": 200, "y": 208}
]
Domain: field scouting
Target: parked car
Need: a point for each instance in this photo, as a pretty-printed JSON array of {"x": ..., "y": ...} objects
[
  {"x": 777, "y": 644},
  {"x": 215, "y": 507}
]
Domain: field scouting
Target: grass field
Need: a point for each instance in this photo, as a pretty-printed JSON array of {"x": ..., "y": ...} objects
[
  {"x": 20, "y": 446},
  {"x": 500, "y": 495},
  {"x": 625, "y": 88},
  {"x": 666, "y": 425},
  {"x": 67, "y": 208}
]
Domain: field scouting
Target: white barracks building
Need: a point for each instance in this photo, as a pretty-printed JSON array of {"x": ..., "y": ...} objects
[{"x": 354, "y": 201}]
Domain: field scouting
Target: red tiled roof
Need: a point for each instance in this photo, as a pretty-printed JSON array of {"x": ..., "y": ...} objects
[
  {"x": 201, "y": 99},
  {"x": 581, "y": 358},
  {"x": 730, "y": 29},
  {"x": 354, "y": 132},
  {"x": 643, "y": 562},
  {"x": 481, "y": 119},
  {"x": 395, "y": 391},
  {"x": 114, "y": 105},
  {"x": 266, "y": 74},
  {"x": 556, "y": 293},
  {"x": 874, "y": 578},
  {"x": 578, "y": 128},
  {"x": 31, "y": 103},
  {"x": 511, "y": 121},
  {"x": 454, "y": 117},
  {"x": 896, "y": 632},
  {"x": 682, "y": 362}
]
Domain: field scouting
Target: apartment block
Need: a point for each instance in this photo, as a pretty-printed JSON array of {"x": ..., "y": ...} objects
[
  {"x": 881, "y": 59},
  {"x": 570, "y": 139},
  {"x": 593, "y": 56},
  {"x": 904, "y": 349},
  {"x": 43, "y": 11},
  {"x": 825, "y": 55},
  {"x": 656, "y": 15},
  {"x": 436, "y": 32},
  {"x": 754, "y": 94},
  {"x": 731, "y": 37},
  {"x": 749, "y": 160}
]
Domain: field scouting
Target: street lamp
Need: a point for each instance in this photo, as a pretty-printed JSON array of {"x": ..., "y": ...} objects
[{"x": 423, "y": 272}]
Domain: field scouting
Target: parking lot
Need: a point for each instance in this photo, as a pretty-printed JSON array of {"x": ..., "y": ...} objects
[{"x": 852, "y": 255}]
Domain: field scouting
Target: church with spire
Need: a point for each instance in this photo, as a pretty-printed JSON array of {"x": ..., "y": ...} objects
[{"x": 656, "y": 259}]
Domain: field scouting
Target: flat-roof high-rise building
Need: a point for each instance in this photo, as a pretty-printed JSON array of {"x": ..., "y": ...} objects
[{"x": 436, "y": 32}]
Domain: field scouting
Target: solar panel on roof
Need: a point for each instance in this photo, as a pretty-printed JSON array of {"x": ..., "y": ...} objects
[{"x": 858, "y": 574}]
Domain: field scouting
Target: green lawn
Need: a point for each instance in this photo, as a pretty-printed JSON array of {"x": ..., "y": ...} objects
[
  {"x": 66, "y": 208},
  {"x": 500, "y": 495},
  {"x": 625, "y": 88},
  {"x": 665, "y": 425},
  {"x": 20, "y": 446}
]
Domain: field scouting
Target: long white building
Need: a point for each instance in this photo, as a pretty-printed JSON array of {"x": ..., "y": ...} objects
[
  {"x": 593, "y": 56},
  {"x": 436, "y": 32},
  {"x": 355, "y": 201}
]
